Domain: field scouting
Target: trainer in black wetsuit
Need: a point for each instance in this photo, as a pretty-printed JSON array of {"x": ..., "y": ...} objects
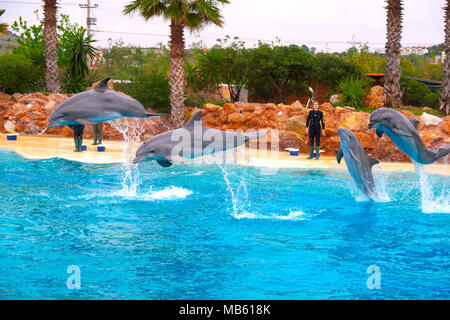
[
  {"x": 77, "y": 135},
  {"x": 313, "y": 128}
]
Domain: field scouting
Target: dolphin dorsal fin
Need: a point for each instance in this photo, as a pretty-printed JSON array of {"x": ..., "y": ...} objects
[
  {"x": 195, "y": 117},
  {"x": 373, "y": 161},
  {"x": 102, "y": 85},
  {"x": 414, "y": 122}
]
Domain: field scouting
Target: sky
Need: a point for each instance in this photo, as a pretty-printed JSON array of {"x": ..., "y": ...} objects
[{"x": 328, "y": 25}]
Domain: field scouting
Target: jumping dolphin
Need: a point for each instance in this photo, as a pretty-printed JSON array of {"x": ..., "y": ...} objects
[
  {"x": 403, "y": 132},
  {"x": 358, "y": 163},
  {"x": 96, "y": 105},
  {"x": 191, "y": 141}
]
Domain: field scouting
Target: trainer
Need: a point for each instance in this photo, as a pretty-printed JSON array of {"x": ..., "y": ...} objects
[{"x": 313, "y": 129}]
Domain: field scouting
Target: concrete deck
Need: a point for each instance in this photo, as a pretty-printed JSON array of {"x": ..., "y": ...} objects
[{"x": 45, "y": 147}]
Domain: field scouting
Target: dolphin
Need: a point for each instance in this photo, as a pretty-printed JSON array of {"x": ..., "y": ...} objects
[
  {"x": 358, "y": 163},
  {"x": 191, "y": 141},
  {"x": 96, "y": 105},
  {"x": 403, "y": 132}
]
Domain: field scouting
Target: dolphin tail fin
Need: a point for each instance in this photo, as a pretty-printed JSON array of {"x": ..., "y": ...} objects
[
  {"x": 441, "y": 152},
  {"x": 148, "y": 115},
  {"x": 254, "y": 135}
]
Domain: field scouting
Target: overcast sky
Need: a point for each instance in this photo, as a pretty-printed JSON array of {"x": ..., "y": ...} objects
[{"x": 325, "y": 24}]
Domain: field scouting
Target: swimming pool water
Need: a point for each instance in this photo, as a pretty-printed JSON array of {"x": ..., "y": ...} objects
[{"x": 189, "y": 233}]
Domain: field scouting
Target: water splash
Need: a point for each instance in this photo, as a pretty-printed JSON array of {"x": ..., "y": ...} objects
[
  {"x": 380, "y": 177},
  {"x": 239, "y": 194},
  {"x": 241, "y": 207},
  {"x": 430, "y": 202},
  {"x": 40, "y": 133},
  {"x": 132, "y": 130}
]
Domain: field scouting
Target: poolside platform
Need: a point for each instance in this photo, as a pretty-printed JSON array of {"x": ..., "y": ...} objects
[{"x": 46, "y": 147}]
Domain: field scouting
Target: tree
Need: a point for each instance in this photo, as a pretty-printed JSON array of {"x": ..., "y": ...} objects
[
  {"x": 329, "y": 69},
  {"x": 3, "y": 26},
  {"x": 190, "y": 14},
  {"x": 445, "y": 94},
  {"x": 50, "y": 40},
  {"x": 393, "y": 72},
  {"x": 72, "y": 44},
  {"x": 79, "y": 52},
  {"x": 223, "y": 63},
  {"x": 275, "y": 72}
]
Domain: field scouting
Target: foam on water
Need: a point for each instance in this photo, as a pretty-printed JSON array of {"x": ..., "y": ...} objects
[
  {"x": 168, "y": 193},
  {"x": 292, "y": 216}
]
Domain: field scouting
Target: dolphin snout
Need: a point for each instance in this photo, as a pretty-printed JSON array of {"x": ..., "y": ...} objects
[{"x": 138, "y": 159}]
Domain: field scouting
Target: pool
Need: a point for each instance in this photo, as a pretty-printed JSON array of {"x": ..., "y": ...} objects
[{"x": 211, "y": 232}]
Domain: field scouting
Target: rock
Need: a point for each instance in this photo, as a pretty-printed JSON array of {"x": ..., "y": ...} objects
[
  {"x": 235, "y": 117},
  {"x": 367, "y": 140},
  {"x": 9, "y": 126},
  {"x": 248, "y": 108},
  {"x": 297, "y": 124},
  {"x": 270, "y": 106},
  {"x": 355, "y": 121},
  {"x": 290, "y": 139},
  {"x": 339, "y": 110},
  {"x": 431, "y": 136},
  {"x": 211, "y": 107},
  {"x": 297, "y": 105},
  {"x": 430, "y": 120},
  {"x": 229, "y": 107},
  {"x": 407, "y": 114},
  {"x": 334, "y": 98},
  {"x": 327, "y": 107},
  {"x": 446, "y": 126},
  {"x": 375, "y": 97},
  {"x": 330, "y": 131}
]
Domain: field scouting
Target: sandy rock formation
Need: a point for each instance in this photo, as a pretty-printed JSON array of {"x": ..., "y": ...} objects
[
  {"x": 28, "y": 113},
  {"x": 375, "y": 97}
]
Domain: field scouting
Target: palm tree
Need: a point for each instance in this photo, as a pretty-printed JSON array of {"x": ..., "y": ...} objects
[
  {"x": 445, "y": 94},
  {"x": 192, "y": 14},
  {"x": 3, "y": 26},
  {"x": 393, "y": 72},
  {"x": 50, "y": 39}
]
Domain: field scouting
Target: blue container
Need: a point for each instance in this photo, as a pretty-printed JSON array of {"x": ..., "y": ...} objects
[
  {"x": 293, "y": 152},
  {"x": 11, "y": 137},
  {"x": 83, "y": 147},
  {"x": 100, "y": 148}
]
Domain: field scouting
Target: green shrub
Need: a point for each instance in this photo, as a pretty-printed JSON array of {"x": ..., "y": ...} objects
[
  {"x": 152, "y": 90},
  {"x": 354, "y": 90},
  {"x": 18, "y": 74},
  {"x": 417, "y": 94}
]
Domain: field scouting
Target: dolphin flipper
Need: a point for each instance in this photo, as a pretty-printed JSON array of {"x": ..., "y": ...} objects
[
  {"x": 164, "y": 163},
  {"x": 148, "y": 115},
  {"x": 373, "y": 161},
  {"x": 401, "y": 132},
  {"x": 339, "y": 155},
  {"x": 379, "y": 133}
]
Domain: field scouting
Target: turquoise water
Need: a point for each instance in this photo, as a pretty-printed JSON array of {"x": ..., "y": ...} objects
[{"x": 186, "y": 232}]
